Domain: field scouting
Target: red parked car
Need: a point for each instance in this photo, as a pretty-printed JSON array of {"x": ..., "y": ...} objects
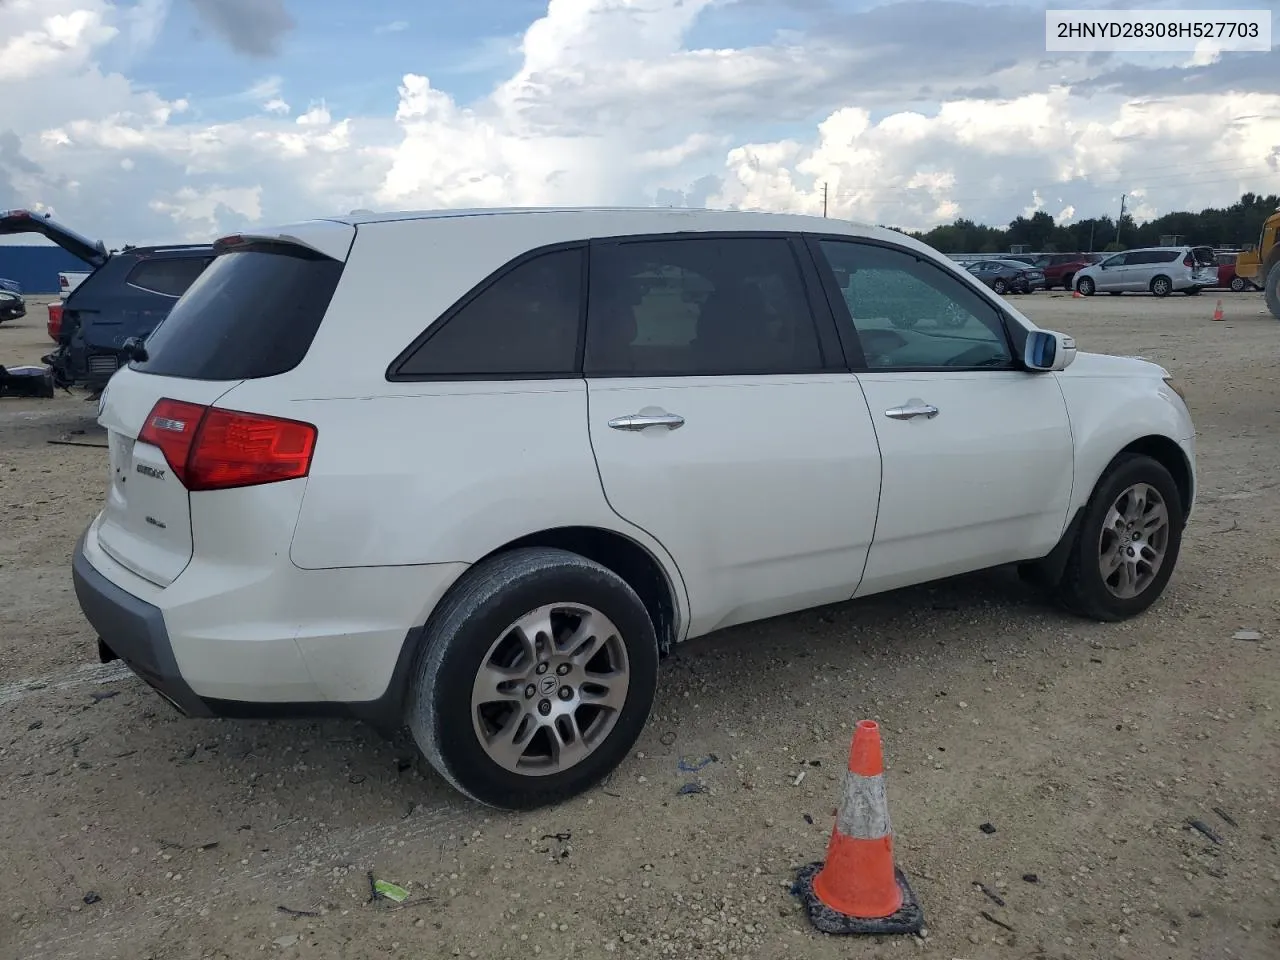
[
  {"x": 1061, "y": 268},
  {"x": 1227, "y": 272}
]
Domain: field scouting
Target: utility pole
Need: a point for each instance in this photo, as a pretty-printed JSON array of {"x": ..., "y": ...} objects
[
  {"x": 1093, "y": 225},
  {"x": 824, "y": 198},
  {"x": 1123, "y": 197}
]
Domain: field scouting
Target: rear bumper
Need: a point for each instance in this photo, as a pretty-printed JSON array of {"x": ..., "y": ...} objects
[
  {"x": 249, "y": 642},
  {"x": 134, "y": 631}
]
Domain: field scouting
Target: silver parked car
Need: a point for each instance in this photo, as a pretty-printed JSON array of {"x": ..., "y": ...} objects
[{"x": 1158, "y": 270}]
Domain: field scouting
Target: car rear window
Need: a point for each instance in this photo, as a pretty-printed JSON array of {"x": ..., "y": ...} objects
[{"x": 253, "y": 313}]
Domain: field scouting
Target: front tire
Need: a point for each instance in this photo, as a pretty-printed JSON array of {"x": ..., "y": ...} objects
[
  {"x": 1237, "y": 284},
  {"x": 1087, "y": 286},
  {"x": 1128, "y": 543},
  {"x": 537, "y": 676}
]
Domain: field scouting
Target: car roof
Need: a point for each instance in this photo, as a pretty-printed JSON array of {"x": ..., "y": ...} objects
[
  {"x": 168, "y": 250},
  {"x": 723, "y": 219}
]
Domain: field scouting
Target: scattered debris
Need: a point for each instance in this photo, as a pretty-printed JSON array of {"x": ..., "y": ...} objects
[
  {"x": 92, "y": 898},
  {"x": 562, "y": 837},
  {"x": 808, "y": 819},
  {"x": 990, "y": 894},
  {"x": 694, "y": 764},
  {"x": 689, "y": 788},
  {"x": 799, "y": 779},
  {"x": 356, "y": 778},
  {"x": 999, "y": 923},
  {"x": 286, "y": 941},
  {"x": 99, "y": 695},
  {"x": 1225, "y": 816},
  {"x": 35, "y": 725},
  {"x": 1204, "y": 828},
  {"x": 385, "y": 888},
  {"x": 78, "y": 443},
  {"x": 668, "y": 738},
  {"x": 987, "y": 828},
  {"x": 1030, "y": 878},
  {"x": 298, "y": 913},
  {"x": 1253, "y": 636},
  {"x": 403, "y": 764}
]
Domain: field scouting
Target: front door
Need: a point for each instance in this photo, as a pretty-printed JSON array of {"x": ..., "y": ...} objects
[
  {"x": 977, "y": 452},
  {"x": 1112, "y": 274},
  {"x": 723, "y": 428}
]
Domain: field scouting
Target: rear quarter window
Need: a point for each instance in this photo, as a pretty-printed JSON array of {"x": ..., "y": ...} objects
[
  {"x": 252, "y": 313},
  {"x": 169, "y": 278}
]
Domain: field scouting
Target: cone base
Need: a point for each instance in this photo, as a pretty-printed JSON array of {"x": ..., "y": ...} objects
[{"x": 908, "y": 919}]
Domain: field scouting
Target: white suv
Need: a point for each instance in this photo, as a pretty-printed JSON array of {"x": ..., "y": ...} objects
[{"x": 477, "y": 470}]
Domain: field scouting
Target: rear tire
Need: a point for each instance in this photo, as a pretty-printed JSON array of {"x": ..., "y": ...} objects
[
  {"x": 1066, "y": 282},
  {"x": 1094, "y": 585},
  {"x": 517, "y": 632},
  {"x": 1161, "y": 286},
  {"x": 1000, "y": 287},
  {"x": 1272, "y": 291},
  {"x": 1238, "y": 284}
]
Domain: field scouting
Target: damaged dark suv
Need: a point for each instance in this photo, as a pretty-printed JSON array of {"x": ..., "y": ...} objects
[{"x": 127, "y": 295}]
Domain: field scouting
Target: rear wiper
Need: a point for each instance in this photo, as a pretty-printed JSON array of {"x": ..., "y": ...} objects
[{"x": 135, "y": 350}]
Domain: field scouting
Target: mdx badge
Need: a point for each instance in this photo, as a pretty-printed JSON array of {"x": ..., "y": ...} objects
[{"x": 149, "y": 471}]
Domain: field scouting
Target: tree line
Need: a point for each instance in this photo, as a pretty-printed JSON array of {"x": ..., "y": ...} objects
[{"x": 1236, "y": 225}]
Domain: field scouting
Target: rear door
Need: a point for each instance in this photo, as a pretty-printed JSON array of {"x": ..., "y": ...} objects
[
  {"x": 252, "y": 314},
  {"x": 725, "y": 424}
]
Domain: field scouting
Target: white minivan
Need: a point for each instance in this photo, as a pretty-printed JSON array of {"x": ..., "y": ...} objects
[
  {"x": 1157, "y": 270},
  {"x": 475, "y": 471}
]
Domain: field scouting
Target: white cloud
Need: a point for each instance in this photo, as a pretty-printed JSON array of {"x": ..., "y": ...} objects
[
  {"x": 611, "y": 104},
  {"x": 395, "y": 26}
]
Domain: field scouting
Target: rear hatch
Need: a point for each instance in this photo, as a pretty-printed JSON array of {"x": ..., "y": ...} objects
[
  {"x": 252, "y": 313},
  {"x": 91, "y": 252},
  {"x": 1204, "y": 264}
]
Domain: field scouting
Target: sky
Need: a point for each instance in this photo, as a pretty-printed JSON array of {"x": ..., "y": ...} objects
[{"x": 147, "y": 121}]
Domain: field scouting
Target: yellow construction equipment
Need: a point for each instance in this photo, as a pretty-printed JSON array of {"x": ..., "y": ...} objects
[{"x": 1261, "y": 267}]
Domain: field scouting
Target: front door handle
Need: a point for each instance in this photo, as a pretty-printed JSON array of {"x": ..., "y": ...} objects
[
  {"x": 912, "y": 410},
  {"x": 638, "y": 421}
]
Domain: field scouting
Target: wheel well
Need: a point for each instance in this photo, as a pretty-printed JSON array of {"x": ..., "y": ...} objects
[
  {"x": 1158, "y": 276},
  {"x": 632, "y": 562},
  {"x": 1170, "y": 456}
]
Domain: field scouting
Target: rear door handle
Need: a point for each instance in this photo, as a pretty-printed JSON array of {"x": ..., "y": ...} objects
[
  {"x": 638, "y": 421},
  {"x": 912, "y": 410}
]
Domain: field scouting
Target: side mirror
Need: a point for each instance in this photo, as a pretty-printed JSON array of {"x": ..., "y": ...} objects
[{"x": 1048, "y": 351}]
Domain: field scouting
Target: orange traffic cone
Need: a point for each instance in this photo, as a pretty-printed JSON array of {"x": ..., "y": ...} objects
[
  {"x": 1217, "y": 312},
  {"x": 1077, "y": 295},
  {"x": 858, "y": 889}
]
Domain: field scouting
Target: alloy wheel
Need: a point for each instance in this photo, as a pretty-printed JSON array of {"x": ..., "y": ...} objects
[{"x": 1133, "y": 541}]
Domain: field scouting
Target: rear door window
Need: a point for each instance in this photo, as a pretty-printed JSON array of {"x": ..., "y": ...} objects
[
  {"x": 170, "y": 277},
  {"x": 252, "y": 313},
  {"x": 702, "y": 306},
  {"x": 522, "y": 324}
]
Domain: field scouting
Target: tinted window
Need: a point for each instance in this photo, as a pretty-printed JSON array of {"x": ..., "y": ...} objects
[
  {"x": 168, "y": 277},
  {"x": 704, "y": 306},
  {"x": 524, "y": 323},
  {"x": 1117, "y": 261},
  {"x": 252, "y": 313},
  {"x": 909, "y": 313},
  {"x": 1166, "y": 256}
]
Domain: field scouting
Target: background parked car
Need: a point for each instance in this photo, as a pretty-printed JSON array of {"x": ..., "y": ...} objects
[
  {"x": 1157, "y": 270},
  {"x": 1008, "y": 276},
  {"x": 123, "y": 298},
  {"x": 12, "y": 286},
  {"x": 1060, "y": 269},
  {"x": 12, "y": 306},
  {"x": 69, "y": 280}
]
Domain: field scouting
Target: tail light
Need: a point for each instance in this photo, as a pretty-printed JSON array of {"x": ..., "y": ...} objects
[
  {"x": 63, "y": 282},
  {"x": 54, "y": 325},
  {"x": 209, "y": 448},
  {"x": 1188, "y": 261}
]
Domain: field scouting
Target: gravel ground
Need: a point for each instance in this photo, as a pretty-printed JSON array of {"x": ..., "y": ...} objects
[{"x": 130, "y": 832}]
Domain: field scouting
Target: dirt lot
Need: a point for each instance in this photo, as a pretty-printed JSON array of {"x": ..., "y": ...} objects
[{"x": 130, "y": 832}]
